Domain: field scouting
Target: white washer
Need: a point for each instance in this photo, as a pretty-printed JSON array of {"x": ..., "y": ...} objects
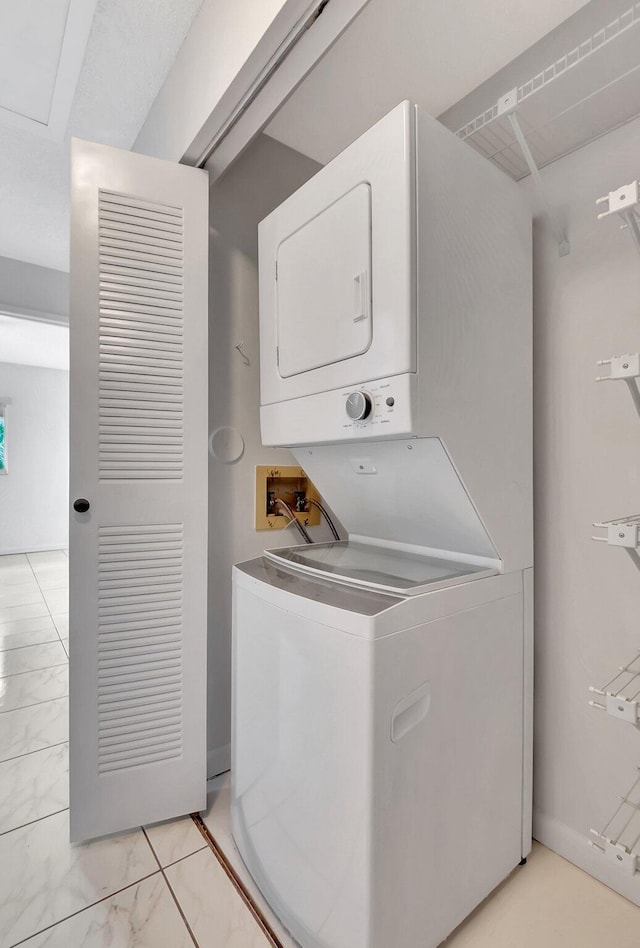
[{"x": 379, "y": 782}]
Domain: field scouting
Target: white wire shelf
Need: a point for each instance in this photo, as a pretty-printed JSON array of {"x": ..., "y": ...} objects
[
  {"x": 620, "y": 696},
  {"x": 622, "y": 532},
  {"x": 590, "y": 90},
  {"x": 619, "y": 839}
]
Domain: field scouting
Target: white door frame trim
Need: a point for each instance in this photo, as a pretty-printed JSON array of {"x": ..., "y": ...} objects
[{"x": 298, "y": 38}]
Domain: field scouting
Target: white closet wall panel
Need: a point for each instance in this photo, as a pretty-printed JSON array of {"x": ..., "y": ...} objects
[{"x": 139, "y": 380}]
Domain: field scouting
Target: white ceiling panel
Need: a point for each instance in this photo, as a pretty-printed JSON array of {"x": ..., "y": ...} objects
[
  {"x": 31, "y": 42},
  {"x": 27, "y": 342},
  {"x": 42, "y": 46}
]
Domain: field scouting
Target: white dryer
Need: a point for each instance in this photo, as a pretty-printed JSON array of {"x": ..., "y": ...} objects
[{"x": 382, "y": 686}]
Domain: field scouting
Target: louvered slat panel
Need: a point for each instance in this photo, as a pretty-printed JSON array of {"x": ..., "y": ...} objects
[
  {"x": 117, "y": 298},
  {"x": 119, "y": 702},
  {"x": 143, "y": 235},
  {"x": 133, "y": 268},
  {"x": 154, "y": 281},
  {"x": 140, "y": 320},
  {"x": 134, "y": 647},
  {"x": 140, "y": 569},
  {"x": 139, "y": 644},
  {"x": 166, "y": 259},
  {"x": 159, "y": 707},
  {"x": 140, "y": 339},
  {"x": 138, "y": 207}
]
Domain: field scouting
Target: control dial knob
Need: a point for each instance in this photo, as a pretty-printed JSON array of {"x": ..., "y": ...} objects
[{"x": 359, "y": 406}]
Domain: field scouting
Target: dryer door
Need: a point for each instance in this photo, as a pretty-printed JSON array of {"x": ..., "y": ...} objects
[
  {"x": 337, "y": 272},
  {"x": 323, "y": 294}
]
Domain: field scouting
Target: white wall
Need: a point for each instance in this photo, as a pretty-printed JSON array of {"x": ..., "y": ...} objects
[
  {"x": 220, "y": 40},
  {"x": 260, "y": 180},
  {"x": 587, "y": 468},
  {"x": 27, "y": 289},
  {"x": 34, "y": 494}
]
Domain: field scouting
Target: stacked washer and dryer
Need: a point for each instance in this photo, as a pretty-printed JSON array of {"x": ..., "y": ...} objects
[{"x": 382, "y": 685}]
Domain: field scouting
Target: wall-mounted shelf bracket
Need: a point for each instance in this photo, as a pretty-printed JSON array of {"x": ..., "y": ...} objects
[
  {"x": 620, "y": 696},
  {"x": 622, "y": 532},
  {"x": 615, "y": 852},
  {"x": 624, "y": 202},
  {"x": 507, "y": 106},
  {"x": 619, "y": 839},
  {"x": 622, "y": 367},
  {"x": 626, "y": 368}
]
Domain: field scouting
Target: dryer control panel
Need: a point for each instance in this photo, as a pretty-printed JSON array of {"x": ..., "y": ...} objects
[
  {"x": 375, "y": 405},
  {"x": 384, "y": 408}
]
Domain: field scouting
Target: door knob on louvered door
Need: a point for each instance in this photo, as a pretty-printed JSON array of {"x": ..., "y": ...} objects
[{"x": 81, "y": 505}]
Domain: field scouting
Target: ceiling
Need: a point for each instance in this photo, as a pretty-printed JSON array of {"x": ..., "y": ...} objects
[
  {"x": 27, "y": 342},
  {"x": 30, "y": 63},
  {"x": 40, "y": 64},
  {"x": 131, "y": 47},
  {"x": 433, "y": 52}
]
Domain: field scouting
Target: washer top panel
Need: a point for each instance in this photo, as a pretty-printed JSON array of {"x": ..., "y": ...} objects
[
  {"x": 324, "y": 591},
  {"x": 378, "y": 568}
]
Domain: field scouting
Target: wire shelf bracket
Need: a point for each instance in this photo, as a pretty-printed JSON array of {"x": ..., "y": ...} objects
[
  {"x": 507, "y": 106},
  {"x": 619, "y": 839},
  {"x": 620, "y": 696},
  {"x": 624, "y": 202},
  {"x": 624, "y": 368},
  {"x": 623, "y": 532}
]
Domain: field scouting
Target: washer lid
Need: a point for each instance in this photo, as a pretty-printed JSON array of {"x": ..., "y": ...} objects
[
  {"x": 403, "y": 493},
  {"x": 363, "y": 563}
]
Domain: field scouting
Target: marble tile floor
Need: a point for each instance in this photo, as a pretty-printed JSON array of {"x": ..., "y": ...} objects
[
  {"x": 162, "y": 886},
  {"x": 159, "y": 886}
]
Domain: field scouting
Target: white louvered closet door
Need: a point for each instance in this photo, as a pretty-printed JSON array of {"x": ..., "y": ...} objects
[{"x": 138, "y": 555}]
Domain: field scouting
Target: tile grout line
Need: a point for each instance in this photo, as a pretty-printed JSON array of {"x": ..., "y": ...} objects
[
  {"x": 38, "y": 819},
  {"x": 168, "y": 884},
  {"x": 83, "y": 909},
  {"x": 16, "y": 648},
  {"x": 35, "y": 750},
  {"x": 50, "y": 614},
  {"x": 237, "y": 883},
  {"x": 30, "y": 670},
  {"x": 33, "y": 704},
  {"x": 17, "y": 618}
]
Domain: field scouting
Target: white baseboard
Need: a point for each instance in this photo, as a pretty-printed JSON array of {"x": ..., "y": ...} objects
[
  {"x": 571, "y": 845},
  {"x": 218, "y": 761},
  {"x": 47, "y": 548}
]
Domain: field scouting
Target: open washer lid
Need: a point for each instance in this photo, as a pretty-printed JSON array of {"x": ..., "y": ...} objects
[
  {"x": 405, "y": 494},
  {"x": 377, "y": 567}
]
